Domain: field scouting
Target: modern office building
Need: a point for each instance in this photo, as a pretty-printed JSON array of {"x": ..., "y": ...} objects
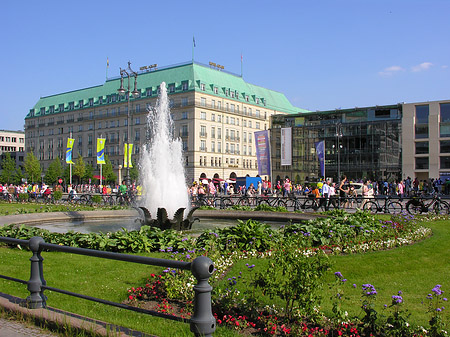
[
  {"x": 359, "y": 142},
  {"x": 215, "y": 114},
  {"x": 426, "y": 140},
  {"x": 13, "y": 142}
]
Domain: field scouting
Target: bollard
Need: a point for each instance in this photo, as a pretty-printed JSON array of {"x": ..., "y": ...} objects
[
  {"x": 203, "y": 322},
  {"x": 36, "y": 299}
]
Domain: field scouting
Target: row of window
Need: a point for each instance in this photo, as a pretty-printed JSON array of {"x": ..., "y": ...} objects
[
  {"x": 235, "y": 94},
  {"x": 423, "y": 163},
  {"x": 230, "y": 107},
  {"x": 423, "y": 147},
  {"x": 422, "y": 114},
  {"x": 229, "y": 148},
  {"x": 11, "y": 139},
  {"x": 217, "y": 162},
  {"x": 11, "y": 148}
]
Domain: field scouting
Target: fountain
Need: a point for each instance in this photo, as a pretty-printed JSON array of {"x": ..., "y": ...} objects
[{"x": 163, "y": 180}]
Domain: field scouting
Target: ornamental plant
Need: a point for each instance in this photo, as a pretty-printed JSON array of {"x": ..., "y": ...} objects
[
  {"x": 397, "y": 321},
  {"x": 436, "y": 302}
]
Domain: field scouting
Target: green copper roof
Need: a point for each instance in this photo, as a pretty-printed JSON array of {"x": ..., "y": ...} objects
[{"x": 200, "y": 78}]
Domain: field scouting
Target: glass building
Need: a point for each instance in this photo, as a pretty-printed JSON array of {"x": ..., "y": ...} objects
[{"x": 359, "y": 142}]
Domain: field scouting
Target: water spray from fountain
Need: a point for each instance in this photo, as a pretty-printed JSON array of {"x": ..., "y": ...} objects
[{"x": 161, "y": 164}]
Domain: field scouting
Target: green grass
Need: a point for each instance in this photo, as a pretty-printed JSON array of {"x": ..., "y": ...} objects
[
  {"x": 414, "y": 270},
  {"x": 101, "y": 278}
]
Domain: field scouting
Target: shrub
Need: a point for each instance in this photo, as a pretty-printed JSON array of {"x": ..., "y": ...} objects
[
  {"x": 57, "y": 195},
  {"x": 23, "y": 197}
]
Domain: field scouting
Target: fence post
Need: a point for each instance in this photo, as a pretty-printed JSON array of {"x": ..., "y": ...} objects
[
  {"x": 36, "y": 299},
  {"x": 203, "y": 322}
]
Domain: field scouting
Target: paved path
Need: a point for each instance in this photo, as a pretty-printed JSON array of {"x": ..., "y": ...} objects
[{"x": 12, "y": 328}]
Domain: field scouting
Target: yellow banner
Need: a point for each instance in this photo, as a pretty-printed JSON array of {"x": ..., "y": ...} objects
[
  {"x": 101, "y": 151},
  {"x": 127, "y": 151},
  {"x": 130, "y": 151}
]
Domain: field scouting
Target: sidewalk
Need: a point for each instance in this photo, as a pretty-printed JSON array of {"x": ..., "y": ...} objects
[{"x": 13, "y": 328}]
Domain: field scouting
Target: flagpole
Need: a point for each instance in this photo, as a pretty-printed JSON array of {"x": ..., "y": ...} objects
[
  {"x": 242, "y": 74},
  {"x": 107, "y": 66},
  {"x": 70, "y": 166},
  {"x": 193, "y": 46},
  {"x": 324, "y": 161}
]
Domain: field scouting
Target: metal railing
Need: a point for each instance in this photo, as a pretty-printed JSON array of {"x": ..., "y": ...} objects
[{"x": 202, "y": 322}]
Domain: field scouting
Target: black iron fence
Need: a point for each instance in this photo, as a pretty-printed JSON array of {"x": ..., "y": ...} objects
[{"x": 202, "y": 322}]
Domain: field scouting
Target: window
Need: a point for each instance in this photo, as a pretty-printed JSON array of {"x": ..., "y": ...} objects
[
  {"x": 203, "y": 115},
  {"x": 445, "y": 162},
  {"x": 257, "y": 113},
  {"x": 149, "y": 91},
  {"x": 249, "y": 150},
  {"x": 202, "y": 131},
  {"x": 184, "y": 115},
  {"x": 219, "y": 147},
  {"x": 232, "y": 94},
  {"x": 445, "y": 146},
  {"x": 137, "y": 121},
  {"x": 219, "y": 133},
  {"x": 422, "y": 163},
  {"x": 250, "y": 112},
  {"x": 257, "y": 125},
  {"x": 61, "y": 107},
  {"x": 216, "y": 90},
  {"x": 138, "y": 108},
  {"x": 213, "y": 132},
  {"x": 203, "y": 145},
  {"x": 249, "y": 124},
  {"x": 232, "y": 106},
  {"x": 213, "y": 117},
  {"x": 226, "y": 106},
  {"x": 421, "y": 121},
  {"x": 184, "y": 101},
  {"x": 184, "y": 131},
  {"x": 71, "y": 105},
  {"x": 422, "y": 148},
  {"x": 184, "y": 145},
  {"x": 245, "y": 123},
  {"x": 202, "y": 87},
  {"x": 445, "y": 120},
  {"x": 80, "y": 104},
  {"x": 232, "y": 120},
  {"x": 219, "y": 118},
  {"x": 246, "y": 98},
  {"x": 171, "y": 88},
  {"x": 227, "y": 120},
  {"x": 213, "y": 146},
  {"x": 80, "y": 128},
  {"x": 213, "y": 103},
  {"x": 219, "y": 105},
  {"x": 244, "y": 149},
  {"x": 203, "y": 101},
  {"x": 184, "y": 85}
]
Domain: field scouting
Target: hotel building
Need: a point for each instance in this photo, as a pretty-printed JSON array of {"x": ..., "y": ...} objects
[{"x": 215, "y": 114}]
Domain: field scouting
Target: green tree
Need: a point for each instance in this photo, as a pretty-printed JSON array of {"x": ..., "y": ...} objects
[
  {"x": 32, "y": 168},
  {"x": 18, "y": 176},
  {"x": 134, "y": 173},
  {"x": 80, "y": 168},
  {"x": 108, "y": 172},
  {"x": 8, "y": 169},
  {"x": 54, "y": 171},
  {"x": 89, "y": 173}
]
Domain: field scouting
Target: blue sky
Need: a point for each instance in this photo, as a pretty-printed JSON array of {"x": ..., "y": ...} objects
[{"x": 321, "y": 54}]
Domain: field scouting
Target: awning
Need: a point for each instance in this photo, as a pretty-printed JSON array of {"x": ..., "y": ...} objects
[{"x": 98, "y": 177}]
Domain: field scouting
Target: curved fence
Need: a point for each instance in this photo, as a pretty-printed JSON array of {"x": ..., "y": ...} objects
[{"x": 202, "y": 322}]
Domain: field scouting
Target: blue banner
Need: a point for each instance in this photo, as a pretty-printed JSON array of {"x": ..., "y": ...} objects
[
  {"x": 263, "y": 152},
  {"x": 320, "y": 150}
]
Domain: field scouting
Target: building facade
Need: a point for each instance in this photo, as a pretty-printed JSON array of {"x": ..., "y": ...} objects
[
  {"x": 426, "y": 140},
  {"x": 359, "y": 142},
  {"x": 13, "y": 142},
  {"x": 215, "y": 114}
]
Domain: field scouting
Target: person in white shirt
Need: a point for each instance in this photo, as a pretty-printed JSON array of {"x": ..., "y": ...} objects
[{"x": 325, "y": 195}]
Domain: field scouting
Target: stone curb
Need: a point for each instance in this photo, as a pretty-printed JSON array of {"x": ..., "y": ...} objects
[{"x": 60, "y": 318}]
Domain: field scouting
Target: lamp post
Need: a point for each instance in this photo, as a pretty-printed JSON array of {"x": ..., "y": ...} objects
[
  {"x": 128, "y": 73},
  {"x": 338, "y": 148}
]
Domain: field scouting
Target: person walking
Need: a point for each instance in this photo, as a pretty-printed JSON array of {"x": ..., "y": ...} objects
[{"x": 325, "y": 195}]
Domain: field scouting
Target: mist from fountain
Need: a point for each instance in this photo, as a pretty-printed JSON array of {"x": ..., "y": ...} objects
[{"x": 161, "y": 164}]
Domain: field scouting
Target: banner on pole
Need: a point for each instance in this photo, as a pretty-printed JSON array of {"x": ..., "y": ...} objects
[
  {"x": 320, "y": 150},
  {"x": 263, "y": 152},
  {"x": 101, "y": 151},
  {"x": 127, "y": 151},
  {"x": 69, "y": 149},
  {"x": 286, "y": 146},
  {"x": 130, "y": 151}
]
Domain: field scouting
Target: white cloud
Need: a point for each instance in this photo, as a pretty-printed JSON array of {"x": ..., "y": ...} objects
[
  {"x": 422, "y": 67},
  {"x": 444, "y": 67},
  {"x": 389, "y": 71}
]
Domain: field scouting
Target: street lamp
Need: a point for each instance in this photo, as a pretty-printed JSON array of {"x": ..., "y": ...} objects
[
  {"x": 128, "y": 73},
  {"x": 339, "y": 147}
]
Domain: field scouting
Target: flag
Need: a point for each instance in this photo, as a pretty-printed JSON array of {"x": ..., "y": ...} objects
[
  {"x": 107, "y": 61},
  {"x": 101, "y": 151},
  {"x": 320, "y": 150},
  {"x": 127, "y": 151},
  {"x": 70, "y": 142},
  {"x": 193, "y": 40}
]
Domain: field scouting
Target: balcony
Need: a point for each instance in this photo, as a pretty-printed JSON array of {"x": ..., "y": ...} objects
[
  {"x": 203, "y": 134},
  {"x": 203, "y": 149}
]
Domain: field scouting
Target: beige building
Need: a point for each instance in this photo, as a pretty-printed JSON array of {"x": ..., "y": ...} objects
[
  {"x": 215, "y": 114},
  {"x": 426, "y": 140},
  {"x": 14, "y": 143}
]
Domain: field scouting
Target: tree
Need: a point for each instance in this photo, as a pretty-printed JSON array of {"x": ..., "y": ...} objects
[
  {"x": 8, "y": 169},
  {"x": 32, "y": 168},
  {"x": 80, "y": 168},
  {"x": 54, "y": 171},
  {"x": 134, "y": 173},
  {"x": 89, "y": 173},
  {"x": 18, "y": 176},
  {"x": 108, "y": 172}
]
